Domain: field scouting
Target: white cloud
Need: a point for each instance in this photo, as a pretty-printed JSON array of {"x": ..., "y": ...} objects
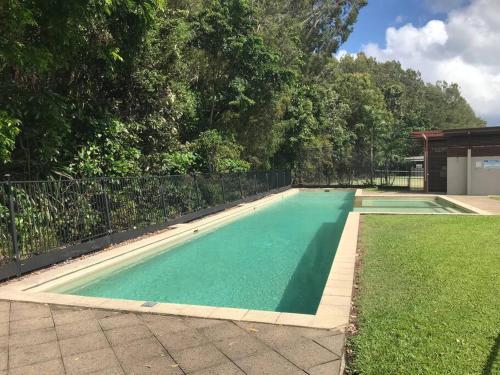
[
  {"x": 463, "y": 49},
  {"x": 342, "y": 53}
]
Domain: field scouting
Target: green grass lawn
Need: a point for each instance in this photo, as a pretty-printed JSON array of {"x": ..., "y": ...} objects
[
  {"x": 497, "y": 197},
  {"x": 429, "y": 297}
]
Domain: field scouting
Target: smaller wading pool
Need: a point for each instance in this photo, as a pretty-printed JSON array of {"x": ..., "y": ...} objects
[{"x": 417, "y": 205}]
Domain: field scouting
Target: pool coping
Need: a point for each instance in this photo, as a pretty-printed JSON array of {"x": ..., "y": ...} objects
[{"x": 333, "y": 311}]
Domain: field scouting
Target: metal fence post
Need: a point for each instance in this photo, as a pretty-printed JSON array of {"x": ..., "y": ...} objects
[
  {"x": 222, "y": 188},
  {"x": 267, "y": 178},
  {"x": 12, "y": 225},
  {"x": 198, "y": 191},
  {"x": 241, "y": 187},
  {"x": 106, "y": 207},
  {"x": 255, "y": 183},
  {"x": 162, "y": 197},
  {"x": 409, "y": 179}
]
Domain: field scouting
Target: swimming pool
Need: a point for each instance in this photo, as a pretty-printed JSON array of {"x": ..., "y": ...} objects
[
  {"x": 424, "y": 205},
  {"x": 276, "y": 259}
]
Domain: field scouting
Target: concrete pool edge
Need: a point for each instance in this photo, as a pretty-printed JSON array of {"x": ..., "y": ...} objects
[{"x": 333, "y": 311}]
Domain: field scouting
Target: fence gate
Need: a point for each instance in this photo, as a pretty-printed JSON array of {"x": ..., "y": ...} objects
[{"x": 437, "y": 166}]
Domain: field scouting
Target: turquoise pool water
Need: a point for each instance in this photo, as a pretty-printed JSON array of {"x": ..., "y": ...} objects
[{"x": 277, "y": 258}]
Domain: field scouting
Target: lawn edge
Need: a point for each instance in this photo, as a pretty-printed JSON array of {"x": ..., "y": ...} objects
[{"x": 353, "y": 327}]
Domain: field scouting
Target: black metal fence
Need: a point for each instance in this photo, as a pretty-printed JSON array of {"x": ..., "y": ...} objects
[
  {"x": 45, "y": 222},
  {"x": 411, "y": 179}
]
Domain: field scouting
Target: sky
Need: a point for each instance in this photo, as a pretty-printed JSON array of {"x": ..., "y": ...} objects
[{"x": 451, "y": 40}]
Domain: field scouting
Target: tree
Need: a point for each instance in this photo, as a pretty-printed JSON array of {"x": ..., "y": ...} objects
[
  {"x": 9, "y": 129},
  {"x": 217, "y": 154},
  {"x": 321, "y": 26},
  {"x": 446, "y": 108},
  {"x": 59, "y": 63},
  {"x": 90, "y": 88}
]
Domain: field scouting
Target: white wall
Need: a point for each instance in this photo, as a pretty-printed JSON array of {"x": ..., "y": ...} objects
[
  {"x": 457, "y": 175},
  {"x": 485, "y": 181}
]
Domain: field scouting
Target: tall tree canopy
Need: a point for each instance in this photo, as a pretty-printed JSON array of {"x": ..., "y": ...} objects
[{"x": 111, "y": 87}]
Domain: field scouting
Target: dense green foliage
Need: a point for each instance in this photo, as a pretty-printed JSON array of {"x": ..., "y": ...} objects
[
  {"x": 428, "y": 296},
  {"x": 112, "y": 87}
]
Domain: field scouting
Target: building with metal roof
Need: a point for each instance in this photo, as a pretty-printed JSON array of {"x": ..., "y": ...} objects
[{"x": 461, "y": 161}]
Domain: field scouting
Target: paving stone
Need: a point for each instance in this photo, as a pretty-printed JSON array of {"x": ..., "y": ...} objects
[
  {"x": 334, "y": 343},
  {"x": 23, "y": 311},
  {"x": 161, "y": 325},
  {"x": 39, "y": 336},
  {"x": 307, "y": 354},
  {"x": 4, "y": 316},
  {"x": 101, "y": 314},
  {"x": 3, "y": 361},
  {"x": 312, "y": 333},
  {"x": 201, "y": 323},
  {"x": 221, "y": 331},
  {"x": 330, "y": 368},
  {"x": 109, "y": 371},
  {"x": 160, "y": 318},
  {"x": 280, "y": 337},
  {"x": 4, "y": 329},
  {"x": 122, "y": 335},
  {"x": 27, "y": 355},
  {"x": 30, "y": 324},
  {"x": 267, "y": 363},
  {"x": 66, "y": 316},
  {"x": 181, "y": 340},
  {"x": 241, "y": 347},
  {"x": 19, "y": 305},
  {"x": 157, "y": 365},
  {"x": 139, "y": 352},
  {"x": 228, "y": 368},
  {"x": 64, "y": 308},
  {"x": 53, "y": 367},
  {"x": 117, "y": 321},
  {"x": 82, "y": 344},
  {"x": 199, "y": 358},
  {"x": 77, "y": 329},
  {"x": 4, "y": 305},
  {"x": 199, "y": 346},
  {"x": 96, "y": 360},
  {"x": 254, "y": 327}
]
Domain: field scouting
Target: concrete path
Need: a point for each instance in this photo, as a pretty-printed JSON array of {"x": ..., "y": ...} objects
[
  {"x": 483, "y": 203},
  {"x": 41, "y": 339}
]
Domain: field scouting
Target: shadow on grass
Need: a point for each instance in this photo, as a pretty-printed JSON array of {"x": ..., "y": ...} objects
[{"x": 493, "y": 363}]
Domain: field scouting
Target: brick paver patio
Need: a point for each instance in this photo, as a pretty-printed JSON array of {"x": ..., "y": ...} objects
[{"x": 41, "y": 339}]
